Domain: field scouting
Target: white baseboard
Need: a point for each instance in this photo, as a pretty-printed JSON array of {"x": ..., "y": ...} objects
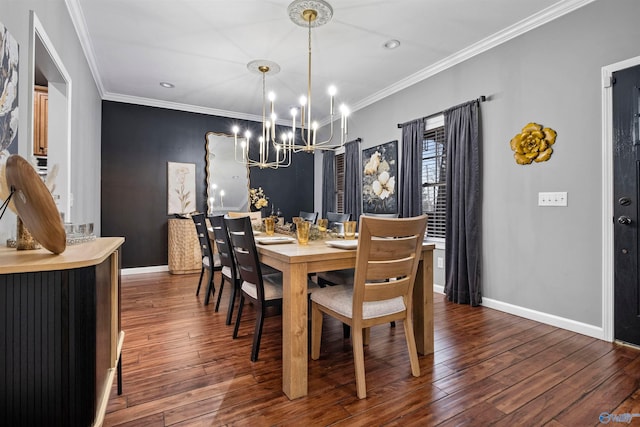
[
  {"x": 141, "y": 270},
  {"x": 538, "y": 316},
  {"x": 549, "y": 319}
]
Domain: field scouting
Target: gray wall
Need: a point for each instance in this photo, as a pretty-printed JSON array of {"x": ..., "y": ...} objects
[
  {"x": 86, "y": 103},
  {"x": 546, "y": 259}
]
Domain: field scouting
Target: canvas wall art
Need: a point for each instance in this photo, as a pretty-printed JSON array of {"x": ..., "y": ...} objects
[
  {"x": 181, "y": 188},
  {"x": 379, "y": 179},
  {"x": 9, "y": 88},
  {"x": 8, "y": 104}
]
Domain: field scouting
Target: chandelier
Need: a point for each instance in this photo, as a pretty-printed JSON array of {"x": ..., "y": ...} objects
[
  {"x": 268, "y": 138},
  {"x": 309, "y": 14}
]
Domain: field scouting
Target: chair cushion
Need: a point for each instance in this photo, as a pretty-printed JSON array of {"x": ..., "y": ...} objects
[
  {"x": 216, "y": 261},
  {"x": 272, "y": 287},
  {"x": 226, "y": 272},
  {"x": 340, "y": 299}
]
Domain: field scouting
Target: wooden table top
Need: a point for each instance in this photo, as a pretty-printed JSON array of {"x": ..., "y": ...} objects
[
  {"x": 75, "y": 256},
  {"x": 317, "y": 254}
]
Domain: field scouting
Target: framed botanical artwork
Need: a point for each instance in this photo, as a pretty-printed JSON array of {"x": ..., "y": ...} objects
[
  {"x": 181, "y": 187},
  {"x": 379, "y": 176}
]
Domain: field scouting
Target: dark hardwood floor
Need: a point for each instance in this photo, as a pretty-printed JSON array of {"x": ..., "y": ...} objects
[{"x": 182, "y": 368}]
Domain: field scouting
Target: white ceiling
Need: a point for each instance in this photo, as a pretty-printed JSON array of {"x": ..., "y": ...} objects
[{"x": 203, "y": 47}]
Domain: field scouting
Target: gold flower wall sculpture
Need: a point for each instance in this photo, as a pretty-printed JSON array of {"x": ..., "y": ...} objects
[{"x": 533, "y": 144}]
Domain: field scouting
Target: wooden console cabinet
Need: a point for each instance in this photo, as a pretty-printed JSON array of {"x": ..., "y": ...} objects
[
  {"x": 185, "y": 255},
  {"x": 60, "y": 326}
]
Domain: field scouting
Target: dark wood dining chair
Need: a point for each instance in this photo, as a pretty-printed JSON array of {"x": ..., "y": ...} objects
[
  {"x": 386, "y": 265},
  {"x": 263, "y": 291},
  {"x": 311, "y": 217},
  {"x": 229, "y": 272},
  {"x": 336, "y": 219},
  {"x": 210, "y": 261}
]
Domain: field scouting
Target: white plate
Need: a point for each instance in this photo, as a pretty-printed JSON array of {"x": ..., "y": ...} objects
[
  {"x": 274, "y": 240},
  {"x": 343, "y": 244},
  {"x": 257, "y": 232}
]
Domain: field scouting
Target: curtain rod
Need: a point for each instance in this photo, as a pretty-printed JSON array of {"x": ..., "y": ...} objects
[{"x": 482, "y": 98}]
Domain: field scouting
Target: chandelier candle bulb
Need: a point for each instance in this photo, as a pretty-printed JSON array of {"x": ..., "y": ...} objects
[{"x": 315, "y": 129}]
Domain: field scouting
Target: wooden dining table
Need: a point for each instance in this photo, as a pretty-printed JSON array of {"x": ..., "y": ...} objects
[{"x": 296, "y": 261}]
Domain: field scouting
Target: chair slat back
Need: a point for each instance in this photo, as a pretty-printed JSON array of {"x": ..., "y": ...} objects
[
  {"x": 387, "y": 259},
  {"x": 203, "y": 235},
  {"x": 244, "y": 249},
  {"x": 311, "y": 217},
  {"x": 221, "y": 238},
  {"x": 256, "y": 217},
  {"x": 336, "y": 219}
]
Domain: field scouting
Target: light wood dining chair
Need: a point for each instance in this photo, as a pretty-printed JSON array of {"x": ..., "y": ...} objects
[
  {"x": 256, "y": 217},
  {"x": 386, "y": 264}
]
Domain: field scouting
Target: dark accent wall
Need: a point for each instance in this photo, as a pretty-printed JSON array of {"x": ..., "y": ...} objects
[{"x": 137, "y": 143}]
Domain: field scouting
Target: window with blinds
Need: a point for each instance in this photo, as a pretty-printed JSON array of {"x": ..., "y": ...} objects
[
  {"x": 340, "y": 182},
  {"x": 434, "y": 181}
]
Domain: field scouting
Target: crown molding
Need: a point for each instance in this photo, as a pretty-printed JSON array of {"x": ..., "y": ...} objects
[
  {"x": 530, "y": 23},
  {"x": 536, "y": 20},
  {"x": 149, "y": 102},
  {"x": 79, "y": 23}
]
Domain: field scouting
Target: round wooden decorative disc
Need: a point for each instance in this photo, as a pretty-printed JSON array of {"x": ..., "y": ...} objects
[{"x": 35, "y": 205}]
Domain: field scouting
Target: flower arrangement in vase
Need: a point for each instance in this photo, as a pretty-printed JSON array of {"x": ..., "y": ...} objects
[{"x": 257, "y": 199}]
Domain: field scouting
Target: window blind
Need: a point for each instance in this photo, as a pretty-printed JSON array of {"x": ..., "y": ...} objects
[
  {"x": 434, "y": 181},
  {"x": 340, "y": 182}
]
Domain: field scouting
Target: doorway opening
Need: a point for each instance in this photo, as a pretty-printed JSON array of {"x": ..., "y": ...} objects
[
  {"x": 608, "y": 249},
  {"x": 46, "y": 70}
]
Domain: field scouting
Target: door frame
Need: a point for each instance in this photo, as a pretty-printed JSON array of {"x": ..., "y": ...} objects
[{"x": 607, "y": 195}]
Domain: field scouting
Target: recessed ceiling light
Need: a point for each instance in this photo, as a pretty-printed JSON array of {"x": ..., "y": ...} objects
[
  {"x": 167, "y": 85},
  {"x": 391, "y": 44}
]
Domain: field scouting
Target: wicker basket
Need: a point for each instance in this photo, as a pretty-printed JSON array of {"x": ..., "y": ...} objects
[{"x": 185, "y": 256}]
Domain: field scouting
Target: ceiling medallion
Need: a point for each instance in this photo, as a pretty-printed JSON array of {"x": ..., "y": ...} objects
[
  {"x": 314, "y": 13},
  {"x": 263, "y": 67}
]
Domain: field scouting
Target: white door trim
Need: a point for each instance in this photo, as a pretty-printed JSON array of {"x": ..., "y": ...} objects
[{"x": 607, "y": 194}]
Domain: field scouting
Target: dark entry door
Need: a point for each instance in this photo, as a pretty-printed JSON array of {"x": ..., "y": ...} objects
[{"x": 626, "y": 165}]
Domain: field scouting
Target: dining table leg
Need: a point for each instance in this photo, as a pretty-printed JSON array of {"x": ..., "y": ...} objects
[
  {"x": 294, "y": 331},
  {"x": 423, "y": 304}
]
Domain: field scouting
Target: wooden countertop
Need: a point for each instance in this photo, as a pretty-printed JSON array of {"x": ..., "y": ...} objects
[{"x": 74, "y": 256}]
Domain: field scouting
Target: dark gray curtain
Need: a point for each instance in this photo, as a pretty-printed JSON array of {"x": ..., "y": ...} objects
[
  {"x": 411, "y": 174},
  {"x": 464, "y": 204},
  {"x": 352, "y": 182},
  {"x": 328, "y": 183}
]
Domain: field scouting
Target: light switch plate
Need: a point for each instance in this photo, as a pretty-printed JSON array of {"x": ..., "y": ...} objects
[{"x": 557, "y": 198}]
